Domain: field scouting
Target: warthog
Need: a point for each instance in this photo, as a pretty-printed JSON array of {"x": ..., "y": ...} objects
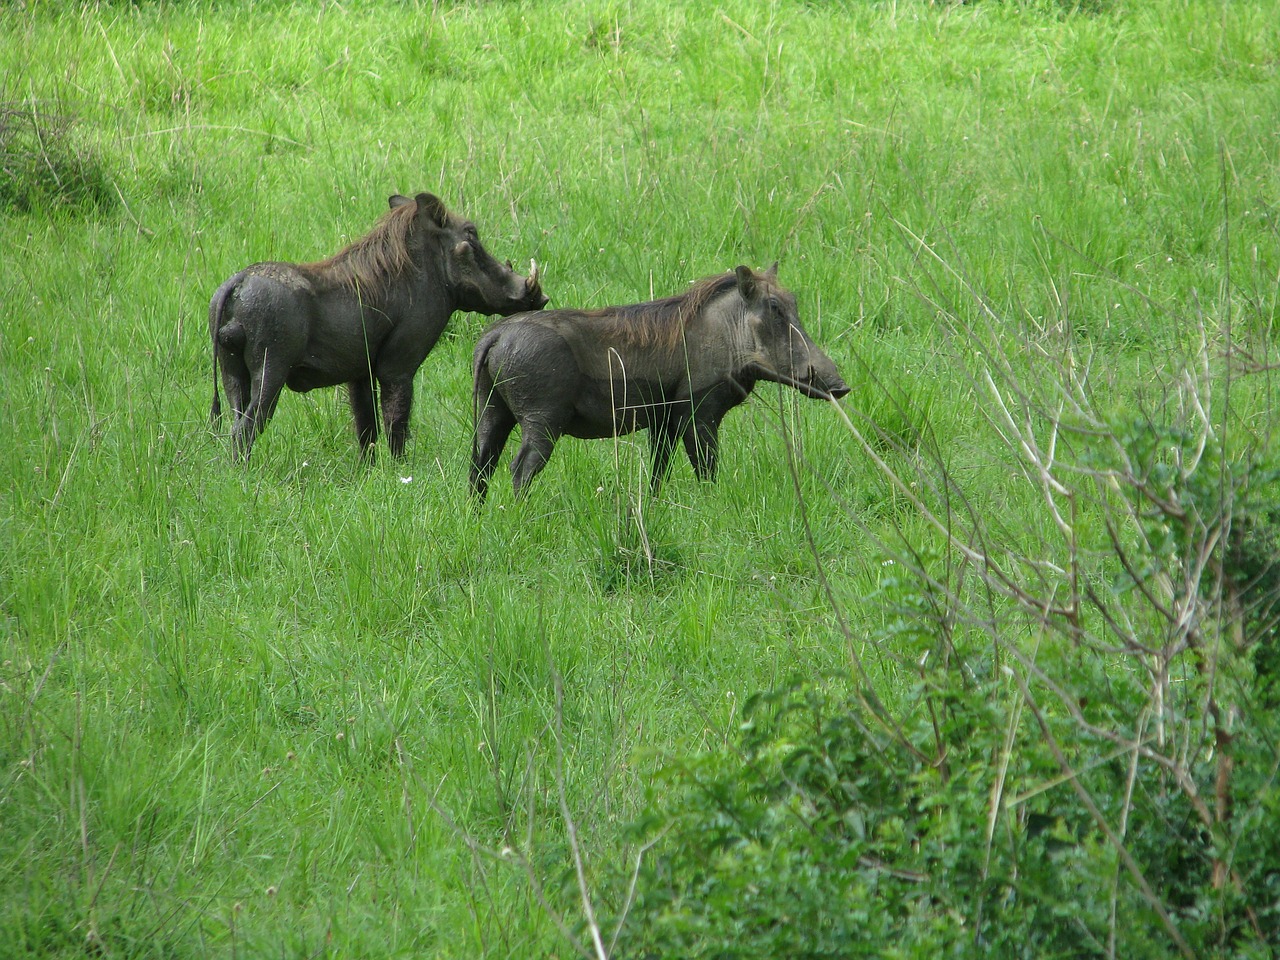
[
  {"x": 673, "y": 366},
  {"x": 367, "y": 315}
]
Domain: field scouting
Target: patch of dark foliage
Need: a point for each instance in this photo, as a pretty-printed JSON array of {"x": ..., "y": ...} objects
[
  {"x": 820, "y": 835},
  {"x": 1064, "y": 7},
  {"x": 42, "y": 167}
]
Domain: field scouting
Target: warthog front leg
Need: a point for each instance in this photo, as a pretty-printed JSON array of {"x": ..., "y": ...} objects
[
  {"x": 702, "y": 431},
  {"x": 397, "y": 402},
  {"x": 662, "y": 440},
  {"x": 360, "y": 393},
  {"x": 702, "y": 444}
]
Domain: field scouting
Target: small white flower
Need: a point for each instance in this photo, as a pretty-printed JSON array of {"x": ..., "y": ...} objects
[{"x": 406, "y": 479}]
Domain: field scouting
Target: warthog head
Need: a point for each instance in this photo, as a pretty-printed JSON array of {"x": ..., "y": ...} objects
[
  {"x": 777, "y": 346},
  {"x": 479, "y": 283}
]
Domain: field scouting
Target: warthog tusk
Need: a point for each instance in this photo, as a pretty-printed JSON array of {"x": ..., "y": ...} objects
[
  {"x": 804, "y": 386},
  {"x": 533, "y": 271}
]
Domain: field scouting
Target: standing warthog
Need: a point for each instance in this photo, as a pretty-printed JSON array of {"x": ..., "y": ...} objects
[
  {"x": 674, "y": 366},
  {"x": 369, "y": 314}
]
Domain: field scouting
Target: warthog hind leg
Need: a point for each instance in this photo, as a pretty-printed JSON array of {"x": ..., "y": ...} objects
[
  {"x": 235, "y": 380},
  {"x": 537, "y": 440},
  {"x": 493, "y": 426},
  {"x": 264, "y": 393}
]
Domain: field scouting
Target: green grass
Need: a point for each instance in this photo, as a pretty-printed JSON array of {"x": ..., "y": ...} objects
[{"x": 229, "y": 695}]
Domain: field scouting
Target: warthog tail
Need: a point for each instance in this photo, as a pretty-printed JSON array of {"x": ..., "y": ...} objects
[
  {"x": 215, "y": 411},
  {"x": 482, "y": 353},
  {"x": 216, "y": 306},
  {"x": 483, "y": 346},
  {"x": 481, "y": 382}
]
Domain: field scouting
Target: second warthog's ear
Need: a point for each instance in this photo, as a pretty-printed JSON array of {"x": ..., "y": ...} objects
[
  {"x": 746, "y": 282},
  {"x": 432, "y": 206},
  {"x": 396, "y": 200}
]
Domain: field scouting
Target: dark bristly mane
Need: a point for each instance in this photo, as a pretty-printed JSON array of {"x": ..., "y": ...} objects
[
  {"x": 368, "y": 263},
  {"x": 661, "y": 323}
]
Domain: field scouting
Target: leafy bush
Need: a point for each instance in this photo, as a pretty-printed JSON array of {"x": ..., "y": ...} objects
[
  {"x": 43, "y": 167},
  {"x": 828, "y": 835}
]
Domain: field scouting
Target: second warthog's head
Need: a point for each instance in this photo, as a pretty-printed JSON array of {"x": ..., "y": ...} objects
[
  {"x": 477, "y": 281},
  {"x": 777, "y": 346}
]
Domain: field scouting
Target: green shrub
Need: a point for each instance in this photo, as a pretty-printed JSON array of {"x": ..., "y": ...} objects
[{"x": 43, "y": 166}]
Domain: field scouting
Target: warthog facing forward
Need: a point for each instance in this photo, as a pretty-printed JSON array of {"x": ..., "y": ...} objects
[
  {"x": 673, "y": 366},
  {"x": 370, "y": 314}
]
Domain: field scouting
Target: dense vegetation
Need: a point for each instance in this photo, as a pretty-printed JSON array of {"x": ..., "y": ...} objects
[{"x": 980, "y": 661}]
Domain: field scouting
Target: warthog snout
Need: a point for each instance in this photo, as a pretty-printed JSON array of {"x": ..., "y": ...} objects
[
  {"x": 837, "y": 387},
  {"x": 825, "y": 377},
  {"x": 815, "y": 385}
]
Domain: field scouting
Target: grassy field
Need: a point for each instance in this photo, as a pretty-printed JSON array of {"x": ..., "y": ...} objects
[{"x": 261, "y": 711}]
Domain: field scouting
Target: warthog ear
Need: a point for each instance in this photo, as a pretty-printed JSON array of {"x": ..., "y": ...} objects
[
  {"x": 433, "y": 207},
  {"x": 772, "y": 272},
  {"x": 396, "y": 200},
  {"x": 746, "y": 282}
]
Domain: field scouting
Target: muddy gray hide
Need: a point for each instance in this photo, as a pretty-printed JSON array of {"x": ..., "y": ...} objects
[
  {"x": 674, "y": 367},
  {"x": 366, "y": 317}
]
